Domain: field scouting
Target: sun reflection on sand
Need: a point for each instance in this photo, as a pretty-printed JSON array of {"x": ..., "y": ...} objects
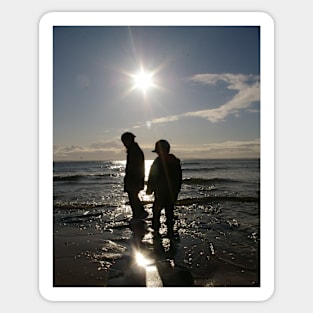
[
  {"x": 153, "y": 278},
  {"x": 142, "y": 260}
]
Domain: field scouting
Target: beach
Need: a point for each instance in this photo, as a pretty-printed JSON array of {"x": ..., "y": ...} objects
[
  {"x": 96, "y": 242},
  {"x": 84, "y": 257}
]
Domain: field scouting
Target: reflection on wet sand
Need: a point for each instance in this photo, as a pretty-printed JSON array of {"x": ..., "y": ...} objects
[{"x": 155, "y": 267}]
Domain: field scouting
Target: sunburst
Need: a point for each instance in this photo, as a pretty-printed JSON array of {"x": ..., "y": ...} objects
[{"x": 143, "y": 80}]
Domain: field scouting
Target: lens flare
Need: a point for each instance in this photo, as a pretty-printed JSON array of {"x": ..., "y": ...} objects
[{"x": 143, "y": 80}]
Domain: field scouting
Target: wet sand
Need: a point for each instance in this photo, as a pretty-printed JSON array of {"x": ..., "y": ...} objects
[{"x": 83, "y": 259}]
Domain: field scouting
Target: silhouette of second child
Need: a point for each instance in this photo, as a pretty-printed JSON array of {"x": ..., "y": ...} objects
[
  {"x": 165, "y": 179},
  {"x": 134, "y": 174}
]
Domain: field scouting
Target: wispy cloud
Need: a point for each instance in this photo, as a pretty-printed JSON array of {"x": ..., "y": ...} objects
[
  {"x": 115, "y": 151},
  {"x": 166, "y": 119},
  {"x": 112, "y": 149},
  {"x": 227, "y": 149},
  {"x": 248, "y": 92}
]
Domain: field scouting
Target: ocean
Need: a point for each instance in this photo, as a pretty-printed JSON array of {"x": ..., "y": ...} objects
[{"x": 217, "y": 215}]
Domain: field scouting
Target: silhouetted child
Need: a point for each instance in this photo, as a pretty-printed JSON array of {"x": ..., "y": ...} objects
[
  {"x": 134, "y": 174},
  {"x": 165, "y": 179}
]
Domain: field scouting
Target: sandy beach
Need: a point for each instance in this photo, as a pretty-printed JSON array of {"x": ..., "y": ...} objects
[{"x": 84, "y": 256}]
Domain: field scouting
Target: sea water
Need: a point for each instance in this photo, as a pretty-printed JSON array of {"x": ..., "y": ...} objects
[{"x": 217, "y": 209}]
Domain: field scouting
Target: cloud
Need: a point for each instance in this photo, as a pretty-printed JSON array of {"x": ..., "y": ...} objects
[
  {"x": 227, "y": 149},
  {"x": 248, "y": 92},
  {"x": 112, "y": 150},
  {"x": 106, "y": 146},
  {"x": 66, "y": 150},
  {"x": 166, "y": 119}
]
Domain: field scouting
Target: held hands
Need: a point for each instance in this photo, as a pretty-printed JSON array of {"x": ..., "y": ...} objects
[{"x": 148, "y": 192}]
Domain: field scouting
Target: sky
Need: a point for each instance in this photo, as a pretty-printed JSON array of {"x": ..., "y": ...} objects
[{"x": 201, "y": 90}]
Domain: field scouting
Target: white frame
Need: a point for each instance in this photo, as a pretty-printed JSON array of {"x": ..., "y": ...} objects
[{"x": 46, "y": 24}]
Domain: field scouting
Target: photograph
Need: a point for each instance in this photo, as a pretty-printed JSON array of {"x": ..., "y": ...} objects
[{"x": 152, "y": 155}]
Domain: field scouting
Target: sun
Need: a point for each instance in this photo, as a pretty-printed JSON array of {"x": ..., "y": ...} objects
[{"x": 143, "y": 80}]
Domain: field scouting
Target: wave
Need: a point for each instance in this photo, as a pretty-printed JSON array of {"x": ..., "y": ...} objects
[
  {"x": 205, "y": 200},
  {"x": 187, "y": 181},
  {"x": 77, "y": 177},
  {"x": 70, "y": 205},
  {"x": 203, "y": 169},
  {"x": 179, "y": 202},
  {"x": 204, "y": 181}
]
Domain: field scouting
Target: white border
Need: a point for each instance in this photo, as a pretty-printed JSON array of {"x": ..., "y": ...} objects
[{"x": 46, "y": 155}]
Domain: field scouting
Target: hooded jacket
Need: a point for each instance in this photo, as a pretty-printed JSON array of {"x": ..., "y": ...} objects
[{"x": 165, "y": 178}]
